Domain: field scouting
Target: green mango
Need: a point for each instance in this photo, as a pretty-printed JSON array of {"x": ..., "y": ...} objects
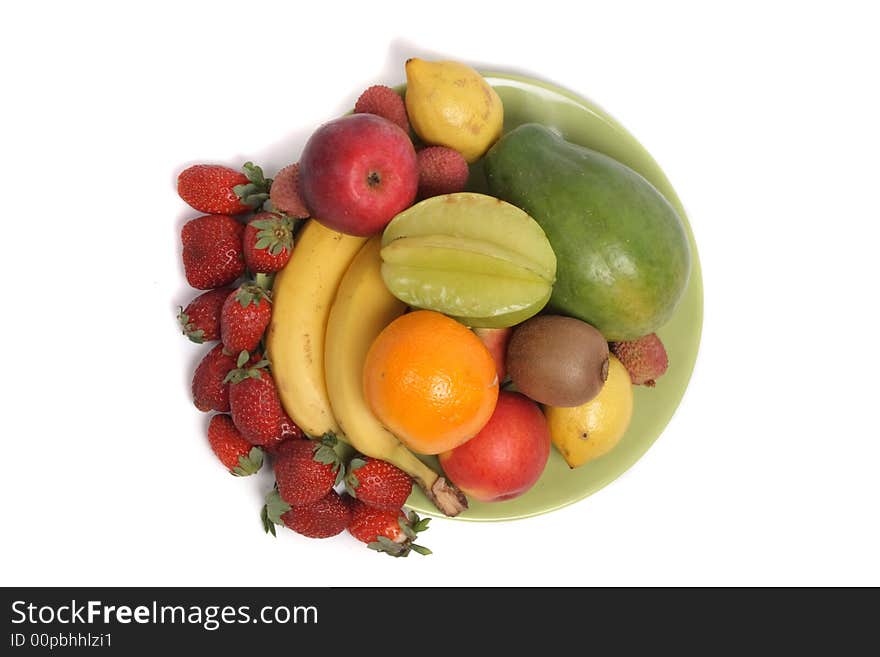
[{"x": 623, "y": 258}]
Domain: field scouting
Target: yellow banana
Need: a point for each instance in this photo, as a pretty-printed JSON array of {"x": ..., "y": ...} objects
[
  {"x": 301, "y": 298},
  {"x": 363, "y": 307}
]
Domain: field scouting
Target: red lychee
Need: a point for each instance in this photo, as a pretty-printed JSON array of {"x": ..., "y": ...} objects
[
  {"x": 385, "y": 102},
  {"x": 284, "y": 193},
  {"x": 442, "y": 170},
  {"x": 645, "y": 358}
]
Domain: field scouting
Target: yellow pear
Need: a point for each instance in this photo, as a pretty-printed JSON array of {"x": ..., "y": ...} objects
[{"x": 450, "y": 104}]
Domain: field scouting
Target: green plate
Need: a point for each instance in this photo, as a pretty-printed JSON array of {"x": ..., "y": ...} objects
[{"x": 582, "y": 122}]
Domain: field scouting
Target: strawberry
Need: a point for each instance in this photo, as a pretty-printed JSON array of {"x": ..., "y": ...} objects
[
  {"x": 216, "y": 189},
  {"x": 392, "y": 532},
  {"x": 256, "y": 408},
  {"x": 238, "y": 455},
  {"x": 306, "y": 470},
  {"x": 268, "y": 242},
  {"x": 212, "y": 251},
  {"x": 244, "y": 317},
  {"x": 200, "y": 320},
  {"x": 285, "y": 196},
  {"x": 209, "y": 387},
  {"x": 327, "y": 517},
  {"x": 378, "y": 483}
]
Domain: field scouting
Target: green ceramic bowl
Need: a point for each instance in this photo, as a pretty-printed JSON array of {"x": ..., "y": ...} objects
[{"x": 582, "y": 122}]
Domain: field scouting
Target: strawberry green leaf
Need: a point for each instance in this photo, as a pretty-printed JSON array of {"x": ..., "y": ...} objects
[
  {"x": 421, "y": 549},
  {"x": 275, "y": 234},
  {"x": 196, "y": 336},
  {"x": 265, "y": 281},
  {"x": 275, "y": 507},
  {"x": 256, "y": 191},
  {"x": 250, "y": 294},
  {"x": 249, "y": 464},
  {"x": 417, "y": 524},
  {"x": 351, "y": 480},
  {"x": 390, "y": 547},
  {"x": 243, "y": 357},
  {"x": 406, "y": 529},
  {"x": 327, "y": 456},
  {"x": 421, "y": 525},
  {"x": 250, "y": 195},
  {"x": 254, "y": 173},
  {"x": 268, "y": 526},
  {"x": 189, "y": 328}
]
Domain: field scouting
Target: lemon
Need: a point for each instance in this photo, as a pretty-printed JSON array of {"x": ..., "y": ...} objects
[
  {"x": 586, "y": 432},
  {"x": 450, "y": 104}
]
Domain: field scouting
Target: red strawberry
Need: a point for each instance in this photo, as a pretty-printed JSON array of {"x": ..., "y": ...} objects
[
  {"x": 268, "y": 242},
  {"x": 216, "y": 189},
  {"x": 256, "y": 408},
  {"x": 392, "y": 532},
  {"x": 284, "y": 194},
  {"x": 385, "y": 102},
  {"x": 244, "y": 317},
  {"x": 378, "y": 483},
  {"x": 200, "y": 320},
  {"x": 209, "y": 387},
  {"x": 327, "y": 517},
  {"x": 212, "y": 251},
  {"x": 238, "y": 455},
  {"x": 306, "y": 470}
]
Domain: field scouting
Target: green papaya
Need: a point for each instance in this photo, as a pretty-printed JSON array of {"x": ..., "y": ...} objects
[{"x": 623, "y": 258}]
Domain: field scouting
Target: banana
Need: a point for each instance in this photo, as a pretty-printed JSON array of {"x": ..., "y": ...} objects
[
  {"x": 362, "y": 308},
  {"x": 302, "y": 295}
]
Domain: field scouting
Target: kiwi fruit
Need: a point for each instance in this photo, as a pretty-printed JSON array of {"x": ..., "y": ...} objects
[{"x": 557, "y": 361}]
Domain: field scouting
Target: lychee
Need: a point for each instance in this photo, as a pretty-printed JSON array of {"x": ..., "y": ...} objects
[
  {"x": 284, "y": 193},
  {"x": 442, "y": 170},
  {"x": 645, "y": 358},
  {"x": 385, "y": 102}
]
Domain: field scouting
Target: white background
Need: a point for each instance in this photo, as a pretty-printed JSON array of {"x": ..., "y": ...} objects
[{"x": 764, "y": 116}]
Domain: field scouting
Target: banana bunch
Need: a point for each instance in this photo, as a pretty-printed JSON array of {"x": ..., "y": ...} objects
[{"x": 330, "y": 303}]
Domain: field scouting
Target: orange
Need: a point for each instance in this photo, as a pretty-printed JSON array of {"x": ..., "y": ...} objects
[{"x": 430, "y": 381}]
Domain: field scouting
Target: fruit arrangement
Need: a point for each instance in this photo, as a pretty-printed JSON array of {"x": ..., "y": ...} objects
[{"x": 422, "y": 282}]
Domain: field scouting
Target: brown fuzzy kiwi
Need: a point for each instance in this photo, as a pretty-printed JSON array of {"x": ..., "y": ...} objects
[{"x": 558, "y": 361}]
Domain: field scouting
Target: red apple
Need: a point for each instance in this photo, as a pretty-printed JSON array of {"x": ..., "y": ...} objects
[
  {"x": 496, "y": 340},
  {"x": 357, "y": 172},
  {"x": 507, "y": 456}
]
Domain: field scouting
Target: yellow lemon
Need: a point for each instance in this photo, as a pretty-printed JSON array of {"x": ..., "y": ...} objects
[
  {"x": 450, "y": 104},
  {"x": 584, "y": 433}
]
